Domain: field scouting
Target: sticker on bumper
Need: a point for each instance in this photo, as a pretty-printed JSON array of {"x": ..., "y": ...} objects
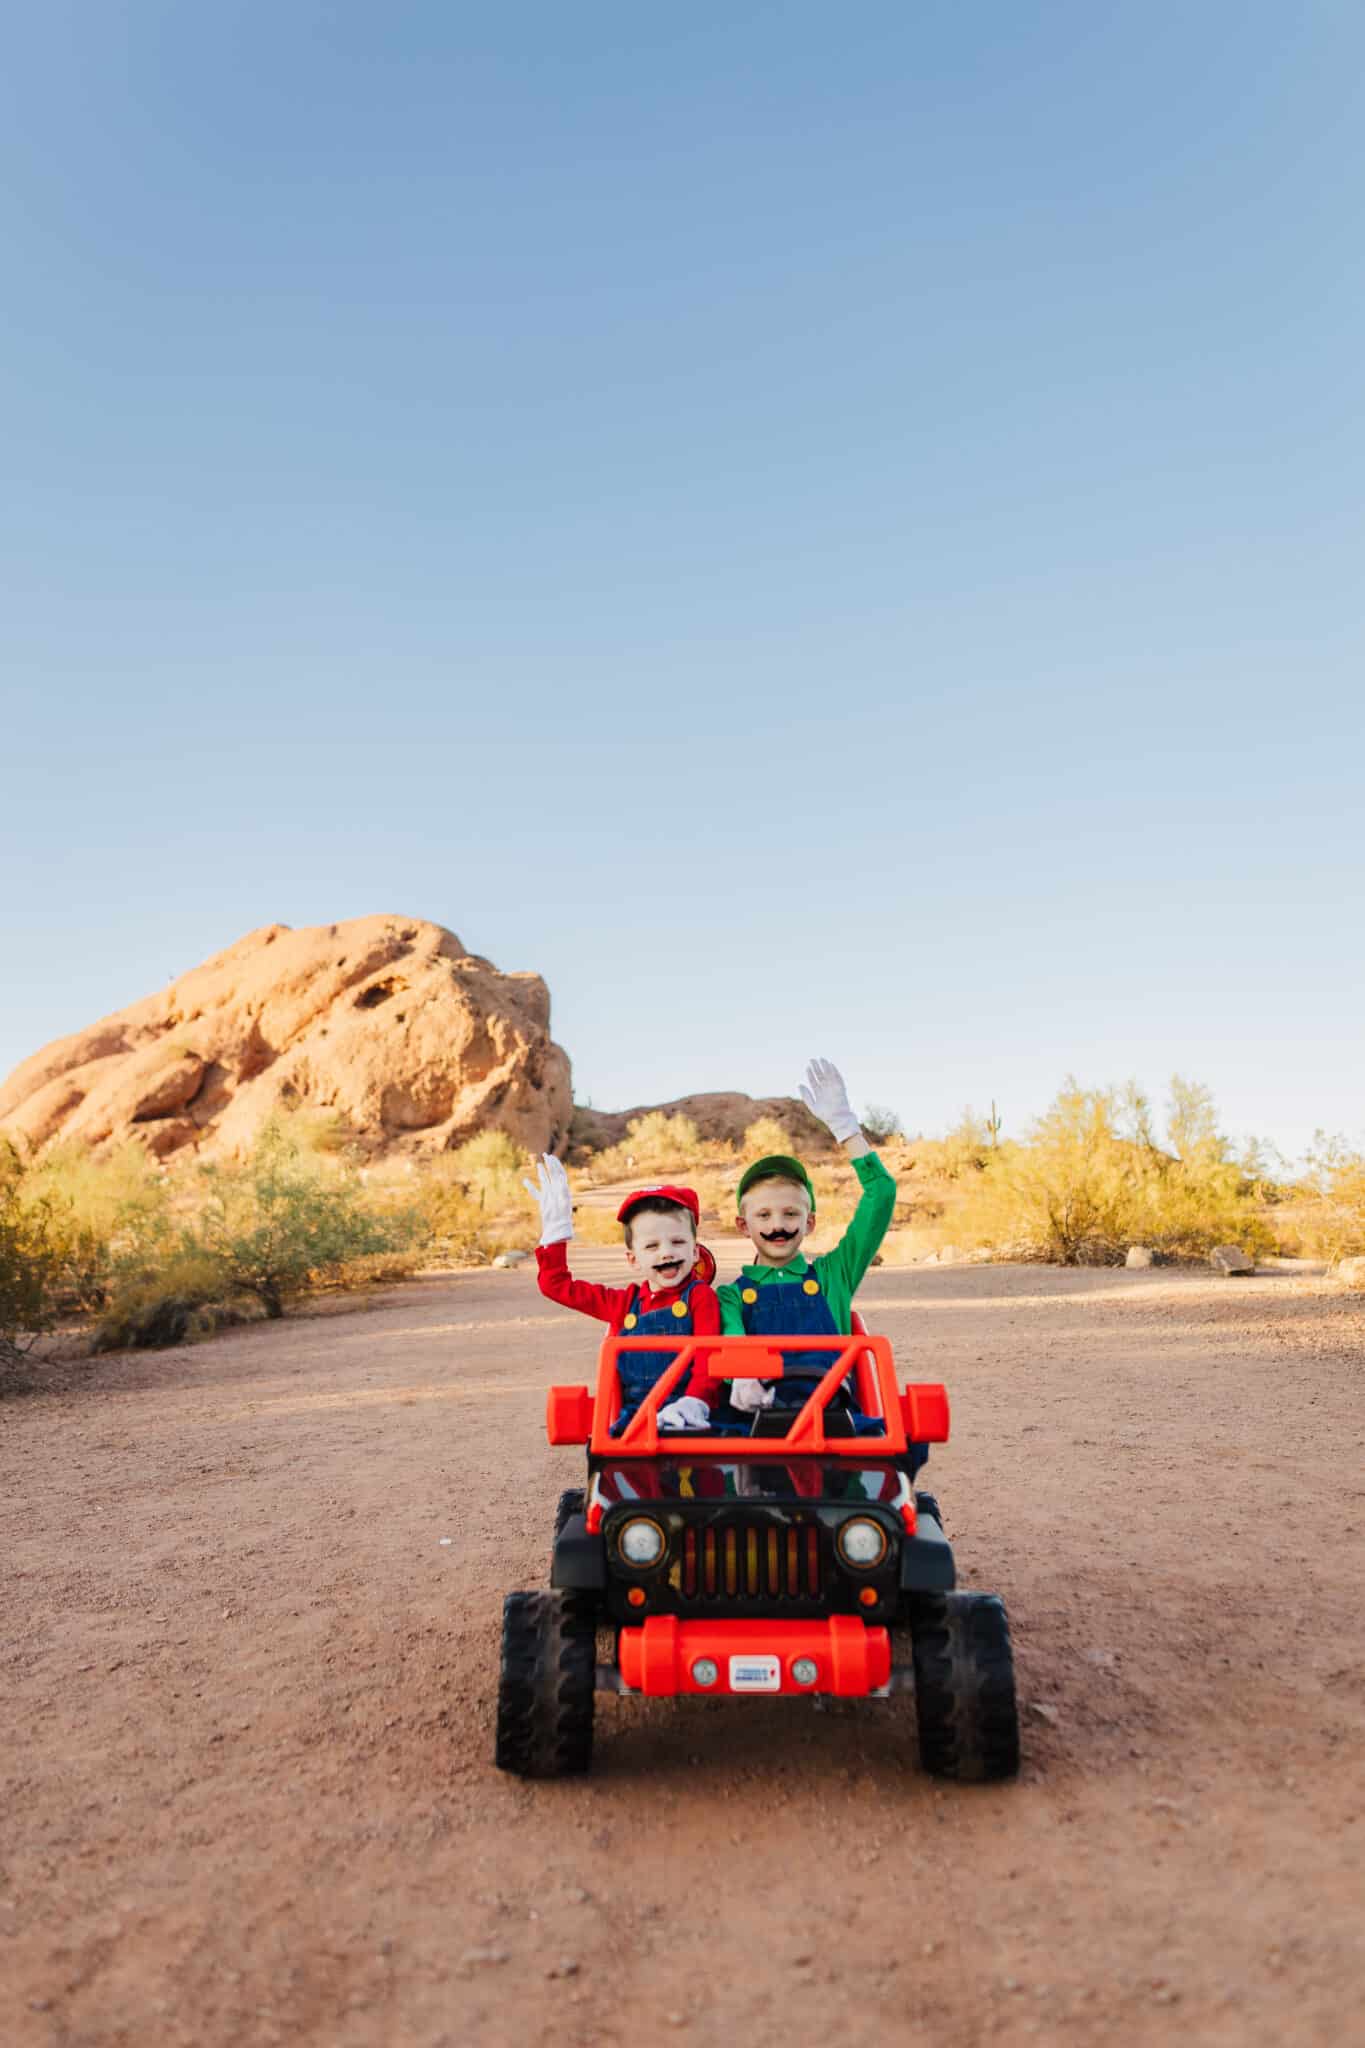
[{"x": 755, "y": 1674}]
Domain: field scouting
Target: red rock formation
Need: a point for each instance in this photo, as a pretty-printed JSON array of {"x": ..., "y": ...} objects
[
  {"x": 414, "y": 1043},
  {"x": 723, "y": 1117}
]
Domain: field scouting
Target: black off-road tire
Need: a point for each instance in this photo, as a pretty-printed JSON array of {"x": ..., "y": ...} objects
[
  {"x": 925, "y": 1504},
  {"x": 964, "y": 1686},
  {"x": 545, "y": 1686},
  {"x": 570, "y": 1503}
]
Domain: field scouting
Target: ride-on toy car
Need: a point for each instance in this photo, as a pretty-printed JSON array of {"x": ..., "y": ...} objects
[{"x": 787, "y": 1556}]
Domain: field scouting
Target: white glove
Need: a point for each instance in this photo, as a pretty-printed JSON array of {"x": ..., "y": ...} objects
[
  {"x": 825, "y": 1096},
  {"x": 748, "y": 1395},
  {"x": 556, "y": 1201},
  {"x": 687, "y": 1412}
]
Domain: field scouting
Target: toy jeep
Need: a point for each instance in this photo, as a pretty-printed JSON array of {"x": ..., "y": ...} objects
[{"x": 790, "y": 1555}]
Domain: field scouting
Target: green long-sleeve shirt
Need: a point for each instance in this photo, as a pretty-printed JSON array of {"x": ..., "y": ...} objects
[{"x": 839, "y": 1271}]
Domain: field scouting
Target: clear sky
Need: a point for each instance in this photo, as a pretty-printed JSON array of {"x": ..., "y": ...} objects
[{"x": 818, "y": 529}]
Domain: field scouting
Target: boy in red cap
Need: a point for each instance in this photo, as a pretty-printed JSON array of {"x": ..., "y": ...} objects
[{"x": 674, "y": 1292}]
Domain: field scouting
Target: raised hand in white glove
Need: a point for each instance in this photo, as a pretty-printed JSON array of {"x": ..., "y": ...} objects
[
  {"x": 750, "y": 1395},
  {"x": 687, "y": 1412},
  {"x": 555, "y": 1198},
  {"x": 825, "y": 1095}
]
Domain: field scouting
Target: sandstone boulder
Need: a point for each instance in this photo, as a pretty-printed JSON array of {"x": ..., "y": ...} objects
[
  {"x": 1352, "y": 1271},
  {"x": 1139, "y": 1255},
  {"x": 388, "y": 1023},
  {"x": 1230, "y": 1259}
]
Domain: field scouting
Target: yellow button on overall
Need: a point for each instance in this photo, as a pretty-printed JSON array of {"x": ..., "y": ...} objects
[
  {"x": 810, "y": 1286},
  {"x": 749, "y": 1296},
  {"x": 680, "y": 1308},
  {"x": 630, "y": 1322}
]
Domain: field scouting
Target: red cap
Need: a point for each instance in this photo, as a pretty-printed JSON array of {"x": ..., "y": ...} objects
[{"x": 684, "y": 1197}]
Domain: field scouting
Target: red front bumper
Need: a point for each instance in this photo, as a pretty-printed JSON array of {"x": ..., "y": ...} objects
[{"x": 755, "y": 1656}]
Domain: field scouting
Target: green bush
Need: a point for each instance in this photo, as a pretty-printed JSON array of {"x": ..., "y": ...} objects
[
  {"x": 1331, "y": 1201},
  {"x": 175, "y": 1302},
  {"x": 472, "y": 1202},
  {"x": 1090, "y": 1180},
  {"x": 596, "y": 1226},
  {"x": 282, "y": 1222},
  {"x": 104, "y": 1216},
  {"x": 765, "y": 1134},
  {"x": 964, "y": 1152},
  {"x": 655, "y": 1143},
  {"x": 492, "y": 1167},
  {"x": 30, "y": 1261}
]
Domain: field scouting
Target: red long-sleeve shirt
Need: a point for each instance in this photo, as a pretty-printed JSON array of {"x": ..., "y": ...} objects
[{"x": 609, "y": 1305}]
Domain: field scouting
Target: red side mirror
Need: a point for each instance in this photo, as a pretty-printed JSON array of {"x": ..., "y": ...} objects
[
  {"x": 568, "y": 1415},
  {"x": 925, "y": 1409}
]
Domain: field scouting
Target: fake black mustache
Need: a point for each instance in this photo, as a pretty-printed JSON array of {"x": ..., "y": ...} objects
[{"x": 777, "y": 1236}]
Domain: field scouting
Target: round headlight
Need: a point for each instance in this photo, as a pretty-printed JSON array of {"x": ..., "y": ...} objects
[
  {"x": 640, "y": 1542},
  {"x": 704, "y": 1671},
  {"x": 862, "y": 1543}
]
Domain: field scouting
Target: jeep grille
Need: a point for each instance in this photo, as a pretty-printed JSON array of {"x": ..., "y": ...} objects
[{"x": 747, "y": 1557}]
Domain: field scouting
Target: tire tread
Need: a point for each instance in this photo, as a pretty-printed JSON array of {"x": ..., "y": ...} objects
[
  {"x": 545, "y": 1686},
  {"x": 964, "y": 1687}
]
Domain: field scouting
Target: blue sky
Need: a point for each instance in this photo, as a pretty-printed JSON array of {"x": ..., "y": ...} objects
[{"x": 817, "y": 530}]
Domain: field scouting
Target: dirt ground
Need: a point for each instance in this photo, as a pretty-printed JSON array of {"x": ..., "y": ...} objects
[{"x": 251, "y": 1612}]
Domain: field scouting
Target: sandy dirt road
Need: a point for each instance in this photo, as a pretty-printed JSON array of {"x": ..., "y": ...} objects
[{"x": 248, "y": 1795}]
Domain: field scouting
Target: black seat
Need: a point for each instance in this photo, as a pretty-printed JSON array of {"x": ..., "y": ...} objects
[{"x": 777, "y": 1421}]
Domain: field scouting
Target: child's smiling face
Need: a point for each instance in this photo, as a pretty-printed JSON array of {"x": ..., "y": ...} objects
[
  {"x": 662, "y": 1249},
  {"x": 777, "y": 1216}
]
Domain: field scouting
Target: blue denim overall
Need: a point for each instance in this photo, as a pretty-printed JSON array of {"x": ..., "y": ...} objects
[
  {"x": 797, "y": 1308},
  {"x": 638, "y": 1370},
  {"x": 793, "y": 1308}
]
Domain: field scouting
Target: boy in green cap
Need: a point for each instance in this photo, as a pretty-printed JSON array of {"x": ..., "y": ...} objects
[{"x": 781, "y": 1293}]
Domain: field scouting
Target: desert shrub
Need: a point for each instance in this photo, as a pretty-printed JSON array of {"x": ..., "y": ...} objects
[
  {"x": 376, "y": 1269},
  {"x": 765, "y": 1134},
  {"x": 472, "y": 1202},
  {"x": 587, "y": 1133},
  {"x": 963, "y": 1152},
  {"x": 1331, "y": 1201},
  {"x": 282, "y": 1222},
  {"x": 321, "y": 1133},
  {"x": 30, "y": 1261},
  {"x": 104, "y": 1216},
  {"x": 492, "y": 1167},
  {"x": 881, "y": 1123},
  {"x": 1089, "y": 1180},
  {"x": 457, "y": 1224},
  {"x": 654, "y": 1144},
  {"x": 596, "y": 1226},
  {"x": 175, "y": 1301}
]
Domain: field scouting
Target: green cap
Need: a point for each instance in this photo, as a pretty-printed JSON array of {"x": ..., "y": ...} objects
[{"x": 777, "y": 1166}]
